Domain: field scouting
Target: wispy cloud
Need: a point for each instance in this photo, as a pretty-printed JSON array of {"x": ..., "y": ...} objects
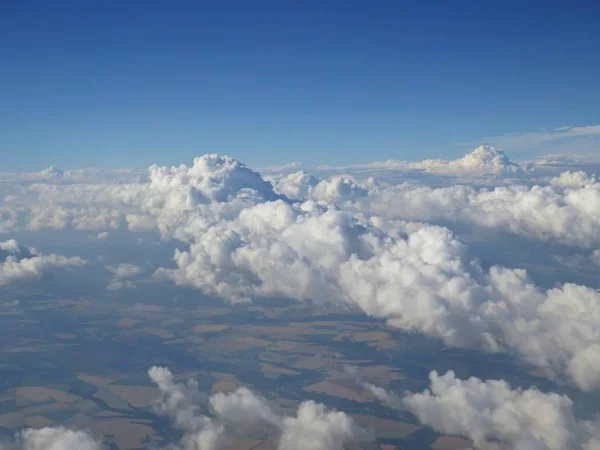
[{"x": 562, "y": 139}]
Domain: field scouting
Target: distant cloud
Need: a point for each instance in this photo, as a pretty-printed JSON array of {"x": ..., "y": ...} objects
[
  {"x": 484, "y": 160},
  {"x": 18, "y": 262},
  {"x": 562, "y": 138},
  {"x": 294, "y": 165},
  {"x": 122, "y": 275}
]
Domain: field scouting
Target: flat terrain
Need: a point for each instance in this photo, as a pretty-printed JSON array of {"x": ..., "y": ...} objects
[{"x": 84, "y": 362}]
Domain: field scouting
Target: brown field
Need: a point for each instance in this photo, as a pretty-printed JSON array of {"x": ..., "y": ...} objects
[
  {"x": 142, "y": 307},
  {"x": 37, "y": 422},
  {"x": 165, "y": 334},
  {"x": 85, "y": 406},
  {"x": 224, "y": 386},
  {"x": 136, "y": 396},
  {"x": 111, "y": 399},
  {"x": 39, "y": 348},
  {"x": 209, "y": 328},
  {"x": 300, "y": 347},
  {"x": 96, "y": 380},
  {"x": 276, "y": 357},
  {"x": 269, "y": 369},
  {"x": 386, "y": 428},
  {"x": 225, "y": 344},
  {"x": 184, "y": 376},
  {"x": 312, "y": 363},
  {"x": 39, "y": 410},
  {"x": 37, "y": 394},
  {"x": 380, "y": 375},
  {"x": 336, "y": 390},
  {"x": 220, "y": 311},
  {"x": 12, "y": 420},
  {"x": 290, "y": 330},
  {"x": 370, "y": 336},
  {"x": 128, "y": 434},
  {"x": 126, "y": 323},
  {"x": 271, "y": 313}
]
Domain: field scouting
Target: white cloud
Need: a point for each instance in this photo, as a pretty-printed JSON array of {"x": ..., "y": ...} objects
[
  {"x": 53, "y": 439},
  {"x": 216, "y": 187},
  {"x": 243, "y": 406},
  {"x": 490, "y": 413},
  {"x": 121, "y": 275},
  {"x": 423, "y": 283},
  {"x": 283, "y": 168},
  {"x": 246, "y": 241},
  {"x": 484, "y": 160},
  {"x": 314, "y": 428},
  {"x": 18, "y": 262},
  {"x": 54, "y": 175},
  {"x": 337, "y": 189},
  {"x": 388, "y": 398},
  {"x": 562, "y": 211}
]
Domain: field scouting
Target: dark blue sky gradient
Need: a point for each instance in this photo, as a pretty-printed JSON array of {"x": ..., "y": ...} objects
[{"x": 128, "y": 83}]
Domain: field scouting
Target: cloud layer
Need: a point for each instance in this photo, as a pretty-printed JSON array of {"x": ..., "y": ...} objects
[{"x": 350, "y": 244}]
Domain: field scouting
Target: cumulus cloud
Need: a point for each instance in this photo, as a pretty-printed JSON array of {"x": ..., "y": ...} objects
[
  {"x": 425, "y": 282},
  {"x": 48, "y": 438},
  {"x": 314, "y": 428},
  {"x": 337, "y": 189},
  {"x": 317, "y": 428},
  {"x": 490, "y": 413},
  {"x": 484, "y": 160},
  {"x": 248, "y": 240},
  {"x": 566, "y": 211},
  {"x": 55, "y": 175},
  {"x": 18, "y": 262},
  {"x": 122, "y": 274}
]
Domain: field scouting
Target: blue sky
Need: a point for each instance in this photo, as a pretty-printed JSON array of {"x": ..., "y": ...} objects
[{"x": 127, "y": 84}]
